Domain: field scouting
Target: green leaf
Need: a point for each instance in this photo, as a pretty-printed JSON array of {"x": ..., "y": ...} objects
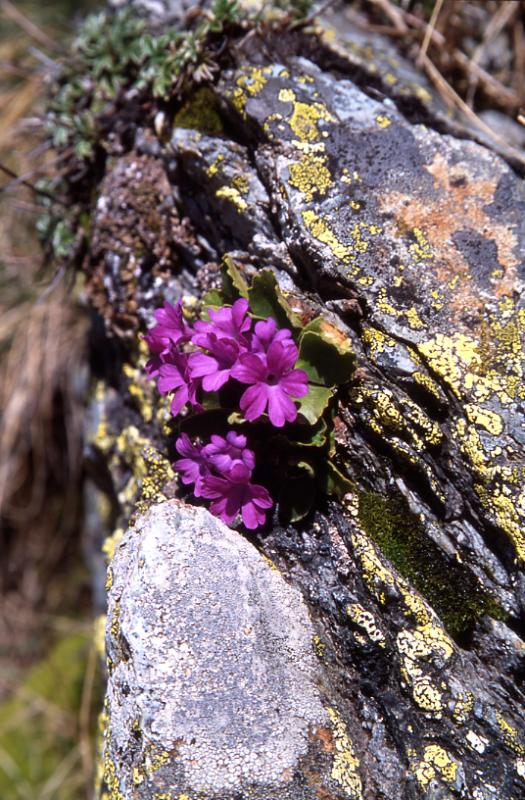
[
  {"x": 330, "y": 333},
  {"x": 333, "y": 481},
  {"x": 314, "y": 435},
  {"x": 324, "y": 363},
  {"x": 298, "y": 493},
  {"x": 233, "y": 282},
  {"x": 213, "y": 298},
  {"x": 267, "y": 300},
  {"x": 313, "y": 404},
  {"x": 211, "y": 401},
  {"x": 63, "y": 239}
]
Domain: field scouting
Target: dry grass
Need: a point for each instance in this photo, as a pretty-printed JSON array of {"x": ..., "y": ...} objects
[
  {"x": 472, "y": 52},
  {"x": 43, "y": 584},
  {"x": 41, "y": 337}
]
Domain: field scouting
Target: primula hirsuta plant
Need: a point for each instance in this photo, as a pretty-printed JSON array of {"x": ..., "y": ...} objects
[{"x": 240, "y": 369}]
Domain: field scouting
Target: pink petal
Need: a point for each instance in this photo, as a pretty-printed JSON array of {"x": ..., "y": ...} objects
[
  {"x": 219, "y": 510},
  {"x": 281, "y": 358},
  {"x": 168, "y": 381},
  {"x": 212, "y": 383},
  {"x": 201, "y": 364},
  {"x": 213, "y": 487},
  {"x": 295, "y": 383},
  {"x": 185, "y": 447},
  {"x": 180, "y": 398},
  {"x": 254, "y": 401},
  {"x": 249, "y": 369},
  {"x": 261, "y": 496},
  {"x": 251, "y": 516},
  {"x": 239, "y": 310},
  {"x": 280, "y": 407}
]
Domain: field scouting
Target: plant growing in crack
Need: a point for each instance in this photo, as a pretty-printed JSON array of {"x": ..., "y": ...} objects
[{"x": 251, "y": 392}]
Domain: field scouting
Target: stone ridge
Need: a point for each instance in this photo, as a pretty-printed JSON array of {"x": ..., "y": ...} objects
[{"x": 213, "y": 671}]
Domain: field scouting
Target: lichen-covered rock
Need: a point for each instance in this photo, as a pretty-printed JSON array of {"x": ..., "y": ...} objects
[
  {"x": 334, "y": 168},
  {"x": 215, "y": 688}
]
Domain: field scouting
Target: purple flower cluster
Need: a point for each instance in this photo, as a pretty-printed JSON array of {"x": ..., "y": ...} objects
[
  {"x": 189, "y": 360},
  {"x": 185, "y": 359},
  {"x": 221, "y": 471}
]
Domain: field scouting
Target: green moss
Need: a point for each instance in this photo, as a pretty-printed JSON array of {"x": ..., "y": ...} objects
[
  {"x": 200, "y": 113},
  {"x": 452, "y": 591},
  {"x": 39, "y": 726}
]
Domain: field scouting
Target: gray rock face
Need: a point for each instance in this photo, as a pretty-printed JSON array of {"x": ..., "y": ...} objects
[
  {"x": 330, "y": 165},
  {"x": 212, "y": 666}
]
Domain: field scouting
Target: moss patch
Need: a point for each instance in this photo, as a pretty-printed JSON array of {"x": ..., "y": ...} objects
[
  {"x": 451, "y": 590},
  {"x": 200, "y": 112}
]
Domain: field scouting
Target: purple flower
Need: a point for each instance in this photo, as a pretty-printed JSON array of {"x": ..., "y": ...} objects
[
  {"x": 194, "y": 465},
  {"x": 170, "y": 330},
  {"x": 174, "y": 376},
  {"x": 223, "y": 453},
  {"x": 266, "y": 332},
  {"x": 274, "y": 382},
  {"x": 214, "y": 369},
  {"x": 171, "y": 324},
  {"x": 226, "y": 323},
  {"x": 235, "y": 495},
  {"x": 159, "y": 349}
]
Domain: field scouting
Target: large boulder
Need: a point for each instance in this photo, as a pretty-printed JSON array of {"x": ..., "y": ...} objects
[{"x": 215, "y": 689}]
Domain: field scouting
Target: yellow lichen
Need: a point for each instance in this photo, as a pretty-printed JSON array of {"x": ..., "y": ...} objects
[
  {"x": 427, "y": 642},
  {"x": 510, "y": 735},
  {"x": 463, "y": 708},
  {"x": 383, "y": 121},
  {"x": 99, "y": 634},
  {"x": 365, "y": 619},
  {"x": 386, "y": 414},
  {"x": 233, "y": 195},
  {"x": 115, "y": 621},
  {"x": 377, "y": 341},
  {"x": 150, "y": 470},
  {"x": 345, "y": 764},
  {"x": 483, "y": 418},
  {"x": 214, "y": 168},
  {"x": 410, "y": 314},
  {"x": 111, "y": 543},
  {"x": 424, "y": 379},
  {"x": 137, "y": 776},
  {"x": 305, "y": 116},
  {"x": 249, "y": 84},
  {"x": 427, "y": 696},
  {"x": 311, "y": 175},
  {"x": 420, "y": 249},
  {"x": 319, "y": 646},
  {"x": 109, "y": 579},
  {"x": 436, "y": 763},
  {"x": 321, "y": 231},
  {"x": 139, "y": 387}
]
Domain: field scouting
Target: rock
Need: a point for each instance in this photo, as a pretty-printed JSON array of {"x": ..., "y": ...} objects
[
  {"x": 505, "y": 127},
  {"x": 408, "y": 235},
  {"x": 214, "y": 685}
]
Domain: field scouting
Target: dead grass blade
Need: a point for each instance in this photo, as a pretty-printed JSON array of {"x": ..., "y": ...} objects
[
  {"x": 405, "y": 21},
  {"x": 452, "y": 98},
  {"x": 42, "y": 346},
  {"x": 438, "y": 5},
  {"x": 502, "y": 17},
  {"x": 13, "y": 13}
]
